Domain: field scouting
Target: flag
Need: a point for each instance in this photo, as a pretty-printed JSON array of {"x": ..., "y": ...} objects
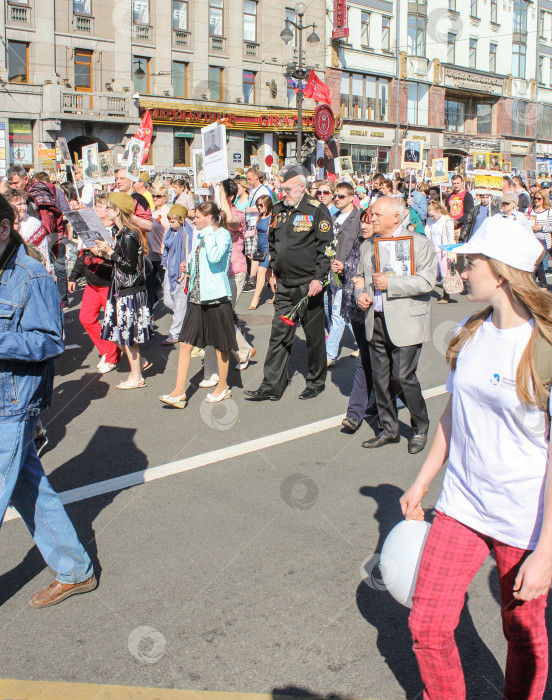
[
  {"x": 317, "y": 89},
  {"x": 294, "y": 83},
  {"x": 144, "y": 133}
]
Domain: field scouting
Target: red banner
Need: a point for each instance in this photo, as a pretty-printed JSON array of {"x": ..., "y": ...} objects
[
  {"x": 144, "y": 133},
  {"x": 340, "y": 30},
  {"x": 317, "y": 90}
]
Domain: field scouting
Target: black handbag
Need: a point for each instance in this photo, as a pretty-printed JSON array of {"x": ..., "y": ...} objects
[{"x": 259, "y": 255}]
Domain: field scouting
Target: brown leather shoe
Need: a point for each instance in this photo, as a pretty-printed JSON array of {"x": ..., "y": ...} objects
[{"x": 56, "y": 592}]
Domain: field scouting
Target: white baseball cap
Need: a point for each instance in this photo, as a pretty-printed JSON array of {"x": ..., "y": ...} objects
[{"x": 505, "y": 240}]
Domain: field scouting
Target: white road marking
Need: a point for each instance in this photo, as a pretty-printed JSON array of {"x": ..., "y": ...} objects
[
  {"x": 184, "y": 465},
  {"x": 72, "y": 347}
]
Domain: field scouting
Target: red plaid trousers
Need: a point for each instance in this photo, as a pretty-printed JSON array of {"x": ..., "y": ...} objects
[{"x": 452, "y": 556}]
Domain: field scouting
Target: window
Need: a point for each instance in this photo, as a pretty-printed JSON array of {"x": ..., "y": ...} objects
[
  {"x": 452, "y": 5},
  {"x": 416, "y": 35},
  {"x": 451, "y": 48},
  {"x": 542, "y": 23},
  {"x": 544, "y": 123},
  {"x": 216, "y": 9},
  {"x": 520, "y": 16},
  {"x": 140, "y": 12},
  {"x": 418, "y": 104},
  {"x": 180, "y": 78},
  {"x": 473, "y": 8},
  {"x": 141, "y": 74},
  {"x": 519, "y": 118},
  {"x": 215, "y": 83},
  {"x": 541, "y": 70},
  {"x": 518, "y": 60},
  {"x": 83, "y": 70},
  {"x": 492, "y": 58},
  {"x": 473, "y": 53},
  {"x": 385, "y": 33},
  {"x": 249, "y": 87},
  {"x": 290, "y": 14},
  {"x": 484, "y": 118},
  {"x": 494, "y": 4},
  {"x": 180, "y": 15},
  {"x": 344, "y": 95},
  {"x": 365, "y": 28},
  {"x": 249, "y": 20},
  {"x": 454, "y": 116},
  {"x": 182, "y": 145},
  {"x": 82, "y": 7},
  {"x": 18, "y": 62},
  {"x": 364, "y": 97}
]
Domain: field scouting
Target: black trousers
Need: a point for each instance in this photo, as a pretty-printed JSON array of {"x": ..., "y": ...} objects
[
  {"x": 394, "y": 376},
  {"x": 281, "y": 339}
]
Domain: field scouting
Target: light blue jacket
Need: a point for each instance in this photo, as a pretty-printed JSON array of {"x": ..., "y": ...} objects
[
  {"x": 420, "y": 204},
  {"x": 31, "y": 336},
  {"x": 214, "y": 261}
]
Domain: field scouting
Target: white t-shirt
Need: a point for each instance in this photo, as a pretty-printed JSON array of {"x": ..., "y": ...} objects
[
  {"x": 339, "y": 221},
  {"x": 251, "y": 219},
  {"x": 498, "y": 456}
]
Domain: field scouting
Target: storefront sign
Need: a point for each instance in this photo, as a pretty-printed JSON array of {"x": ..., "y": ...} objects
[
  {"x": 340, "y": 30},
  {"x": 377, "y": 135},
  {"x": 324, "y": 122},
  {"x": 21, "y": 141},
  {"x": 473, "y": 82},
  {"x": 244, "y": 120},
  {"x": 357, "y": 132}
]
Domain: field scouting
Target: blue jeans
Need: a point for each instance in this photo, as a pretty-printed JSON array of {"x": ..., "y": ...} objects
[
  {"x": 23, "y": 482},
  {"x": 334, "y": 321}
]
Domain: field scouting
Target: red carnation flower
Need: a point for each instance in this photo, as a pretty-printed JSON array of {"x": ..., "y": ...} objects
[{"x": 287, "y": 321}]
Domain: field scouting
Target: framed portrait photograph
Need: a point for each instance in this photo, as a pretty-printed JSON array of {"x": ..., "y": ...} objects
[
  {"x": 132, "y": 158},
  {"x": 543, "y": 170},
  {"x": 346, "y": 164},
  {"x": 215, "y": 153},
  {"x": 439, "y": 173},
  {"x": 495, "y": 161},
  {"x": 480, "y": 160},
  {"x": 90, "y": 163},
  {"x": 506, "y": 166},
  {"x": 395, "y": 256},
  {"x": 412, "y": 154}
]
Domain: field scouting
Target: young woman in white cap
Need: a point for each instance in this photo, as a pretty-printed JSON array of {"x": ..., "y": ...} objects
[{"x": 496, "y": 493}]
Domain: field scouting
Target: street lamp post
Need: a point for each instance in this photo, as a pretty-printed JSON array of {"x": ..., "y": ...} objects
[{"x": 298, "y": 70}]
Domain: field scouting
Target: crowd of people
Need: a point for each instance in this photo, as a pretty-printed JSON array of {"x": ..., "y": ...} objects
[{"x": 315, "y": 250}]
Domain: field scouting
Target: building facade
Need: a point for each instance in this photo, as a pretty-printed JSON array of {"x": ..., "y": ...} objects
[
  {"x": 461, "y": 75},
  {"x": 88, "y": 69}
]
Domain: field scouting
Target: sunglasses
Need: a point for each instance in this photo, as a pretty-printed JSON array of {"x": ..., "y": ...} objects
[
  {"x": 326, "y": 193},
  {"x": 158, "y": 196},
  {"x": 537, "y": 199},
  {"x": 341, "y": 196},
  {"x": 287, "y": 190}
]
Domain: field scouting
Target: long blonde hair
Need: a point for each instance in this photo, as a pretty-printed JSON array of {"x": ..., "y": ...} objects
[
  {"x": 530, "y": 387},
  {"x": 127, "y": 222}
]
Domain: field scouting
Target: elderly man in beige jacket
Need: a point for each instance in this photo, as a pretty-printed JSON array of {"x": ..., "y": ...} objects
[{"x": 398, "y": 321}]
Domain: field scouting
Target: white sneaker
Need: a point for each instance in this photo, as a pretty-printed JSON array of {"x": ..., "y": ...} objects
[
  {"x": 102, "y": 360},
  {"x": 207, "y": 383}
]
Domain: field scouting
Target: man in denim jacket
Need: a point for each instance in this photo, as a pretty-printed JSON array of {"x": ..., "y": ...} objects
[{"x": 31, "y": 336}]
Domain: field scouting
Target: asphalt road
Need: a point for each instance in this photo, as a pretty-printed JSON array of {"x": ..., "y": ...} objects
[{"x": 252, "y": 573}]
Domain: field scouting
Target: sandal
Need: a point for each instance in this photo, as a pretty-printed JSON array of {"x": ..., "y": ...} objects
[
  {"x": 132, "y": 384},
  {"x": 146, "y": 365},
  {"x": 254, "y": 307},
  {"x": 174, "y": 401},
  {"x": 226, "y": 394},
  {"x": 270, "y": 301}
]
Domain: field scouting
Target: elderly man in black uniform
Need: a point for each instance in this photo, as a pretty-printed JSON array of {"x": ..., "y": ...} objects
[{"x": 300, "y": 231}]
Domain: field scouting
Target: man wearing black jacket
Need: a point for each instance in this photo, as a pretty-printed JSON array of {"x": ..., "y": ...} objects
[{"x": 299, "y": 232}]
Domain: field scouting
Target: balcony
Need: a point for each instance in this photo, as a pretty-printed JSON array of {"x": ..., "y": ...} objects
[
  {"x": 83, "y": 24},
  {"x": 251, "y": 49},
  {"x": 217, "y": 44},
  {"x": 182, "y": 39},
  {"x": 19, "y": 15},
  {"x": 94, "y": 104},
  {"x": 142, "y": 33}
]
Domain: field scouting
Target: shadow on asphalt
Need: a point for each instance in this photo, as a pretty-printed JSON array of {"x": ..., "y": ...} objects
[
  {"x": 295, "y": 691},
  {"x": 110, "y": 453},
  {"x": 483, "y": 675}
]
